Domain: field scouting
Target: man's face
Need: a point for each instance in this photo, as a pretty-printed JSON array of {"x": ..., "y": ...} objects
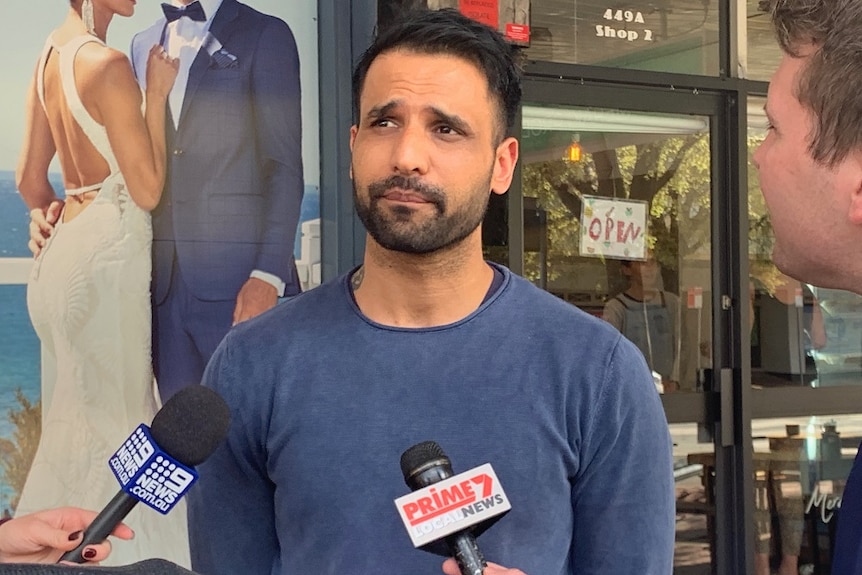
[
  {"x": 646, "y": 274},
  {"x": 808, "y": 202},
  {"x": 424, "y": 152},
  {"x": 648, "y": 271}
]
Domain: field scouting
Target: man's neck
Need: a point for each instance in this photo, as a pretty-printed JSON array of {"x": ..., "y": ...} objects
[
  {"x": 639, "y": 293},
  {"x": 209, "y": 6},
  {"x": 408, "y": 290}
]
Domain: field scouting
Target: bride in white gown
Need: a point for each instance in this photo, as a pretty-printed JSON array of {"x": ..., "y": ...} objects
[{"x": 88, "y": 292}]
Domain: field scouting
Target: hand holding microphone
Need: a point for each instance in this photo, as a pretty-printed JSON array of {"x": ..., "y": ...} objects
[
  {"x": 154, "y": 465},
  {"x": 41, "y": 537},
  {"x": 450, "y": 567}
]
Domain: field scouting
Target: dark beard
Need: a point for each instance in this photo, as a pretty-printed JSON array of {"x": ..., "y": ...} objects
[{"x": 393, "y": 230}]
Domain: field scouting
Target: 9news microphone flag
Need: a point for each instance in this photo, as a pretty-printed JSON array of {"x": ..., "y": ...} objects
[{"x": 154, "y": 465}]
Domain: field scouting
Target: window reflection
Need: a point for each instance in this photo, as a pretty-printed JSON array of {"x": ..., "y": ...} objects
[
  {"x": 801, "y": 466},
  {"x": 694, "y": 464},
  {"x": 836, "y": 346},
  {"x": 760, "y": 54},
  {"x": 669, "y": 36},
  {"x": 572, "y": 157}
]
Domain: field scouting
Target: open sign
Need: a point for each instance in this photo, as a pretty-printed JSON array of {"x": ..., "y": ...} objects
[{"x": 613, "y": 228}]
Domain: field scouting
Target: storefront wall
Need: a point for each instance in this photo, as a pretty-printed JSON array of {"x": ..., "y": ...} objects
[{"x": 658, "y": 108}]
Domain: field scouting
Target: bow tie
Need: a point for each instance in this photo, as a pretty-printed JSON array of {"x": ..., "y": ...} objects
[{"x": 194, "y": 11}]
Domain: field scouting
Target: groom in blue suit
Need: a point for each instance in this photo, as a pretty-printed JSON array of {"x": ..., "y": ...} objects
[{"x": 223, "y": 234}]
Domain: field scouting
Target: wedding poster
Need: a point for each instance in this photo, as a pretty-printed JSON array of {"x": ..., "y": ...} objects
[{"x": 25, "y": 26}]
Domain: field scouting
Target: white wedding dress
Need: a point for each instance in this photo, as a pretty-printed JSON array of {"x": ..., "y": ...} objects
[{"x": 89, "y": 301}]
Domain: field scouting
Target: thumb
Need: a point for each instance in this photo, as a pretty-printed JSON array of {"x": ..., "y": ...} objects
[
  {"x": 237, "y": 311},
  {"x": 53, "y": 212}
]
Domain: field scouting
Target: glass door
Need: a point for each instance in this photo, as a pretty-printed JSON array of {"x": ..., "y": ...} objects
[
  {"x": 615, "y": 214},
  {"x": 617, "y": 222}
]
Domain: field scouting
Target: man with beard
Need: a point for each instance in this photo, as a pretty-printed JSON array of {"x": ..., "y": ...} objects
[
  {"x": 810, "y": 167},
  {"x": 426, "y": 340}
]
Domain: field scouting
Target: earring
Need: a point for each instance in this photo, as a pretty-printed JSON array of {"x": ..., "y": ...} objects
[{"x": 88, "y": 17}]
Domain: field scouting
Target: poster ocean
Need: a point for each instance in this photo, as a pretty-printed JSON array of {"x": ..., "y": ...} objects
[{"x": 19, "y": 346}]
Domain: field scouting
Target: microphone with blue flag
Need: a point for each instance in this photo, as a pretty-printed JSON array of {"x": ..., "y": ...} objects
[{"x": 155, "y": 464}]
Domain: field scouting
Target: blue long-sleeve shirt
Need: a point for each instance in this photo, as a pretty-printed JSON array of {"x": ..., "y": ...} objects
[{"x": 324, "y": 401}]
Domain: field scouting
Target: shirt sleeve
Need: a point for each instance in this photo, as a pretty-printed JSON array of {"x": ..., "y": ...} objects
[
  {"x": 231, "y": 508},
  {"x": 614, "y": 313},
  {"x": 623, "y": 494},
  {"x": 277, "y": 105},
  {"x": 271, "y": 279}
]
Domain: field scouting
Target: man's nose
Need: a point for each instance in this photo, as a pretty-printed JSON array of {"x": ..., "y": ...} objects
[
  {"x": 410, "y": 155},
  {"x": 755, "y": 157}
]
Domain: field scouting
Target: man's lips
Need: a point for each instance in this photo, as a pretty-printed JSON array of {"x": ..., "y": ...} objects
[{"x": 402, "y": 196}]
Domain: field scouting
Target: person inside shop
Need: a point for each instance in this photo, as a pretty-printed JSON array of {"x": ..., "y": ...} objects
[{"x": 649, "y": 316}]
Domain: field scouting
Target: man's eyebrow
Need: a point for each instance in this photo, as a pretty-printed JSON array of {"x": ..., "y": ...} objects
[
  {"x": 452, "y": 119},
  {"x": 380, "y": 111}
]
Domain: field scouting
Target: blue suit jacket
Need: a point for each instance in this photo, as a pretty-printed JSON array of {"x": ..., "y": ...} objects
[{"x": 234, "y": 184}]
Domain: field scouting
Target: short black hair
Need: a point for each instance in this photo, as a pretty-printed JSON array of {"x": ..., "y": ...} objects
[{"x": 449, "y": 32}]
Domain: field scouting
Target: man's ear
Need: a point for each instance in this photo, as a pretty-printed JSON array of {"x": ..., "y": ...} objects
[
  {"x": 506, "y": 156},
  {"x": 353, "y": 130},
  {"x": 855, "y": 208}
]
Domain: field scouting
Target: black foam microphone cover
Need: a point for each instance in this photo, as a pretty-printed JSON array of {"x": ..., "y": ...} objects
[{"x": 191, "y": 424}]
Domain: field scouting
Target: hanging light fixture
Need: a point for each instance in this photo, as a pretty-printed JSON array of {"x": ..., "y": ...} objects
[{"x": 574, "y": 152}]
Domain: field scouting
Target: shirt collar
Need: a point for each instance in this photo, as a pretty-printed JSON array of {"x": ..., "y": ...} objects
[{"x": 210, "y": 7}]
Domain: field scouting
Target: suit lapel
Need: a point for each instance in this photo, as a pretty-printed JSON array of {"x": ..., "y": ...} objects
[{"x": 221, "y": 27}]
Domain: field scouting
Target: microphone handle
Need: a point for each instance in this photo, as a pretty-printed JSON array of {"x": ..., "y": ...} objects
[
  {"x": 102, "y": 526},
  {"x": 466, "y": 552}
]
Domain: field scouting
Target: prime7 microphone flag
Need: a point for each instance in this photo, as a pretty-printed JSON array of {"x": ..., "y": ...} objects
[{"x": 451, "y": 505}]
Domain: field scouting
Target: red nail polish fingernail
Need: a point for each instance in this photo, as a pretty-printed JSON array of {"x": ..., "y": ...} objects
[{"x": 89, "y": 553}]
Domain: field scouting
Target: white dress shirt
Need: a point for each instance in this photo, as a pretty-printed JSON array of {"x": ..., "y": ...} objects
[{"x": 183, "y": 39}]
